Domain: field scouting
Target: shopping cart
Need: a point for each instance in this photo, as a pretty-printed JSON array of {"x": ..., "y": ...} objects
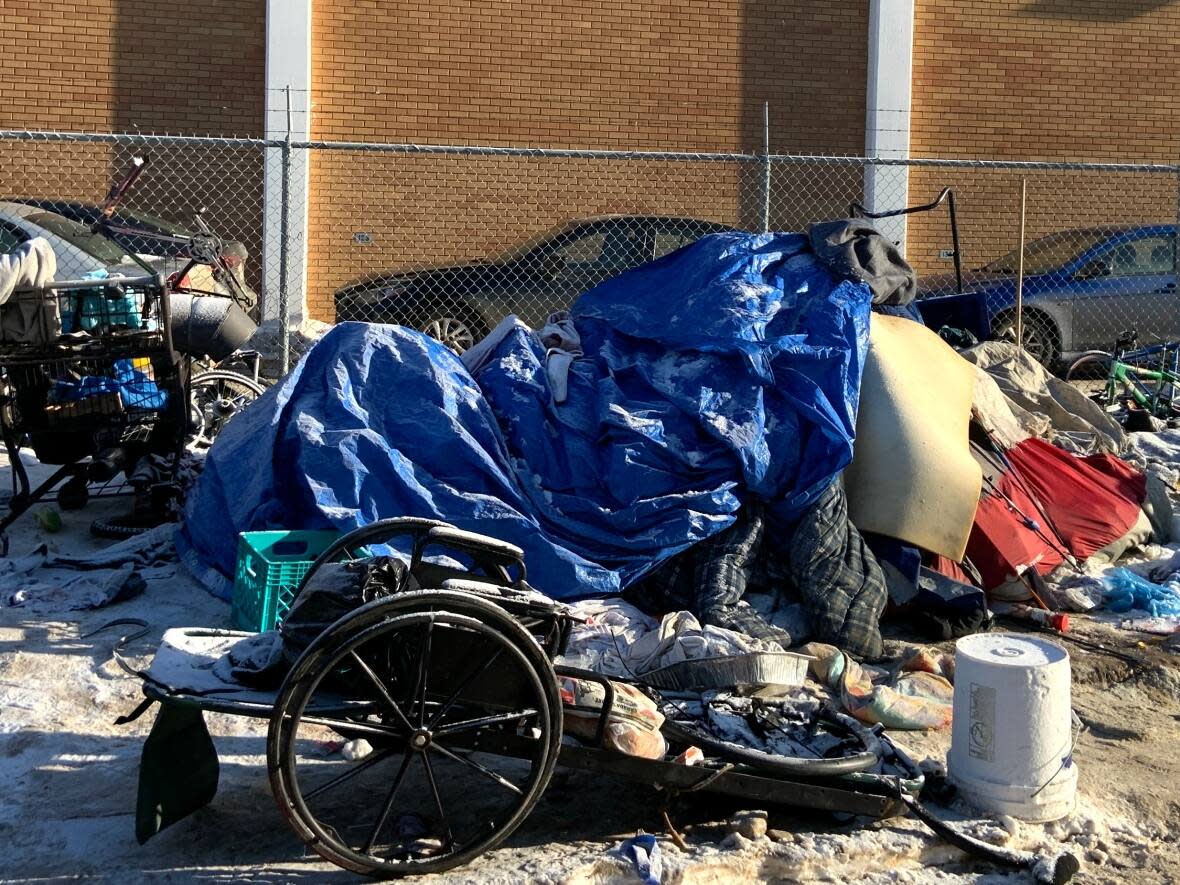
[{"x": 89, "y": 381}]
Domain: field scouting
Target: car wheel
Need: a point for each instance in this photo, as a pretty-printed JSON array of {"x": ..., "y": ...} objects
[
  {"x": 1041, "y": 338},
  {"x": 457, "y": 334}
]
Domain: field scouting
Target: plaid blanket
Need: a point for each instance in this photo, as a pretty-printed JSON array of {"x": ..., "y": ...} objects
[{"x": 825, "y": 563}]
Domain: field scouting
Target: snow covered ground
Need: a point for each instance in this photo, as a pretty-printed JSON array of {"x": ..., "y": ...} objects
[{"x": 69, "y": 774}]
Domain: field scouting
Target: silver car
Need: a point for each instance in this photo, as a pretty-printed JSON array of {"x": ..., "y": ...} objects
[{"x": 79, "y": 252}]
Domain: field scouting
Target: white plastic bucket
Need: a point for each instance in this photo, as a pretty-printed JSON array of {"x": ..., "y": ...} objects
[{"x": 1012, "y": 736}]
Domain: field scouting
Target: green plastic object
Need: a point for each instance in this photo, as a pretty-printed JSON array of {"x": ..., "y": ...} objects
[{"x": 269, "y": 568}]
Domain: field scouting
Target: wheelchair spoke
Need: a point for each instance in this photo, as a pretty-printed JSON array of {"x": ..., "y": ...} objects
[
  {"x": 449, "y": 702},
  {"x": 423, "y": 671},
  {"x": 352, "y": 772},
  {"x": 482, "y": 769},
  {"x": 382, "y": 690},
  {"x": 349, "y": 725},
  {"x": 442, "y": 815},
  {"x": 483, "y": 722},
  {"x": 387, "y": 809}
]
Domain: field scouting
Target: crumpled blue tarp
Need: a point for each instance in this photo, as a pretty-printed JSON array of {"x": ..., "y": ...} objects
[{"x": 726, "y": 369}]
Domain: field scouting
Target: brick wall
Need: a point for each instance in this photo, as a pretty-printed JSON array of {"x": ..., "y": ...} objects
[
  {"x": 115, "y": 65},
  {"x": 136, "y": 65},
  {"x": 1047, "y": 80},
  {"x": 635, "y": 74}
]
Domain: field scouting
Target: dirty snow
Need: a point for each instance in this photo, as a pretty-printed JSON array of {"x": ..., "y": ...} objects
[{"x": 70, "y": 775}]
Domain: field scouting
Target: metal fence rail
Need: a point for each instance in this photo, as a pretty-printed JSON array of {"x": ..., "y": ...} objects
[{"x": 448, "y": 238}]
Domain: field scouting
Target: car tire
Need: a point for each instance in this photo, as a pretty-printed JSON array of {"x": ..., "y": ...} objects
[
  {"x": 454, "y": 323},
  {"x": 1042, "y": 340}
]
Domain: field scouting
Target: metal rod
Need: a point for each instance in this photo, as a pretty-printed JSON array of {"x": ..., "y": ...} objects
[
  {"x": 765, "y": 166},
  {"x": 284, "y": 210},
  {"x": 955, "y": 242},
  {"x": 406, "y": 148},
  {"x": 1020, "y": 269}
]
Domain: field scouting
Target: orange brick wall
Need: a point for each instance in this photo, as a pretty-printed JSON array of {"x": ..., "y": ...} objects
[
  {"x": 634, "y": 74},
  {"x": 137, "y": 65},
  {"x": 1090, "y": 80},
  {"x": 123, "y": 65}
]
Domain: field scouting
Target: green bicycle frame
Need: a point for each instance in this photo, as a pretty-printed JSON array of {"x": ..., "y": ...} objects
[{"x": 1131, "y": 379}]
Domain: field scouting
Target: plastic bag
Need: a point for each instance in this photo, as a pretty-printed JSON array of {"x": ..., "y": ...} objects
[
  {"x": 633, "y": 723},
  {"x": 1126, "y": 590}
]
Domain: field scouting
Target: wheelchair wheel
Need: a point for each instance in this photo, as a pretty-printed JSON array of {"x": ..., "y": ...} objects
[{"x": 453, "y": 722}]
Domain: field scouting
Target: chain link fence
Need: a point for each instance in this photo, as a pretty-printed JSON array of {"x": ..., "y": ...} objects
[{"x": 451, "y": 238}]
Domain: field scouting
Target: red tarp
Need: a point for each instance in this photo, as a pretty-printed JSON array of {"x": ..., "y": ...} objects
[{"x": 1078, "y": 504}]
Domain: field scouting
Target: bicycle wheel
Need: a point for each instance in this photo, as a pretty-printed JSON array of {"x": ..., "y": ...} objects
[
  {"x": 1090, "y": 373},
  {"x": 216, "y": 396}
]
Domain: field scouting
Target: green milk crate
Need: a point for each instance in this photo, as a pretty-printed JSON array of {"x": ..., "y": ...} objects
[{"x": 269, "y": 568}]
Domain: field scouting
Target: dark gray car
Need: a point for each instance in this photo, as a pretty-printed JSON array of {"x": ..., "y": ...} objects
[{"x": 458, "y": 304}]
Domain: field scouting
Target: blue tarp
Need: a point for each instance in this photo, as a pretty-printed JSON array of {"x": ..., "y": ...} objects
[{"x": 727, "y": 369}]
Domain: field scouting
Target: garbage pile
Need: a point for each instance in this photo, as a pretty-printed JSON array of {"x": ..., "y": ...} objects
[
  {"x": 731, "y": 464},
  {"x": 684, "y": 439}
]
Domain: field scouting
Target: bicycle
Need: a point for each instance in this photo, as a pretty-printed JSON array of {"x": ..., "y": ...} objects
[{"x": 1147, "y": 376}]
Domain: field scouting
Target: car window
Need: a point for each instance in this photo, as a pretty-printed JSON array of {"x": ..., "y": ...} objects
[
  {"x": 625, "y": 248},
  {"x": 1142, "y": 257},
  {"x": 670, "y": 240},
  {"x": 585, "y": 249},
  {"x": 9, "y": 239},
  {"x": 139, "y": 218},
  {"x": 605, "y": 250},
  {"x": 1048, "y": 253},
  {"x": 78, "y": 235}
]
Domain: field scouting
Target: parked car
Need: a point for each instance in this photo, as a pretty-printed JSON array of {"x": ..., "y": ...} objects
[
  {"x": 458, "y": 304},
  {"x": 78, "y": 251},
  {"x": 175, "y": 254},
  {"x": 1081, "y": 288}
]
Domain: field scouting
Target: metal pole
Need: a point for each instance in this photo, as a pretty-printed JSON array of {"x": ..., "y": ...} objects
[
  {"x": 765, "y": 166},
  {"x": 1020, "y": 269},
  {"x": 284, "y": 204}
]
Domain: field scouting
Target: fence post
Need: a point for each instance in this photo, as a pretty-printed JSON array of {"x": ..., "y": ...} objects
[
  {"x": 284, "y": 233},
  {"x": 1020, "y": 269},
  {"x": 765, "y": 166}
]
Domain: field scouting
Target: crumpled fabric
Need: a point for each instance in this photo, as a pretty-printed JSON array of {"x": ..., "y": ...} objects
[
  {"x": 44, "y": 593},
  {"x": 919, "y": 696},
  {"x": 852, "y": 247},
  {"x": 725, "y": 371},
  {"x": 558, "y": 336},
  {"x": 31, "y": 265},
  {"x": 840, "y": 582},
  {"x": 615, "y": 638},
  {"x": 823, "y": 562},
  {"x": 1045, "y": 406},
  {"x": 562, "y": 345},
  {"x": 1126, "y": 591},
  {"x": 711, "y": 578}
]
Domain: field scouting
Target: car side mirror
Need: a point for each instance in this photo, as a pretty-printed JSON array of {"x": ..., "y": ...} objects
[{"x": 1095, "y": 267}]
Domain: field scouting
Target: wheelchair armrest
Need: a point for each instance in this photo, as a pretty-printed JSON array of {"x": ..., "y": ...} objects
[{"x": 484, "y": 550}]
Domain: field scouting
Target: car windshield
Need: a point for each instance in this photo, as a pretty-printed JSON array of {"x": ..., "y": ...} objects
[
  {"x": 79, "y": 236},
  {"x": 531, "y": 243},
  {"x": 1049, "y": 253},
  {"x": 143, "y": 219}
]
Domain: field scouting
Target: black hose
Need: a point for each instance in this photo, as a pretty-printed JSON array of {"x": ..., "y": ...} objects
[{"x": 1049, "y": 870}]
